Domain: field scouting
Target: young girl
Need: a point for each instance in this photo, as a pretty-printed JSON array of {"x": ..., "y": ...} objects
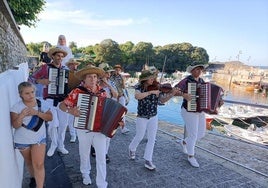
[{"x": 28, "y": 117}]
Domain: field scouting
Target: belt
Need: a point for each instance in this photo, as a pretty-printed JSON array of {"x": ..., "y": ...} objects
[{"x": 147, "y": 117}]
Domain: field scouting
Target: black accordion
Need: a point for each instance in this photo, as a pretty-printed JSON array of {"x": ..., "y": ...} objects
[
  {"x": 204, "y": 97},
  {"x": 58, "y": 79}
]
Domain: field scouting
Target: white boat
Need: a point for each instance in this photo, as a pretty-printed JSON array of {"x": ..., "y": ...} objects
[
  {"x": 251, "y": 134},
  {"x": 229, "y": 113},
  {"x": 244, "y": 122}
]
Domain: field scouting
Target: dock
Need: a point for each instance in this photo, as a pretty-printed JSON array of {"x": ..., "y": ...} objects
[{"x": 224, "y": 162}]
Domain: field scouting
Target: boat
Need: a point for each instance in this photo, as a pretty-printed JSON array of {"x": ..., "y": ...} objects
[
  {"x": 242, "y": 121},
  {"x": 247, "y": 85},
  {"x": 251, "y": 134}
]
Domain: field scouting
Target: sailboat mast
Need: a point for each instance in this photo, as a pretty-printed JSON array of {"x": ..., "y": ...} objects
[{"x": 163, "y": 69}]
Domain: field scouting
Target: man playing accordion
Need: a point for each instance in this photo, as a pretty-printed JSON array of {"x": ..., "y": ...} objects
[
  {"x": 192, "y": 114},
  {"x": 57, "y": 127},
  {"x": 89, "y": 85}
]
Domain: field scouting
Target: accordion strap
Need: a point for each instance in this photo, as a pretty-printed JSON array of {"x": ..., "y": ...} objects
[
  {"x": 89, "y": 92},
  {"x": 36, "y": 122}
]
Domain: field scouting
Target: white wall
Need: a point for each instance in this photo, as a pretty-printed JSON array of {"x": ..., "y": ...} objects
[{"x": 11, "y": 161}]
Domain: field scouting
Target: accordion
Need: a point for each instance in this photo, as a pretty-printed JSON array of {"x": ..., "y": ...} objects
[
  {"x": 99, "y": 114},
  {"x": 204, "y": 97},
  {"x": 58, "y": 79}
]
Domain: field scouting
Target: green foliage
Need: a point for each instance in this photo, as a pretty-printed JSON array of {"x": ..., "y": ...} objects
[
  {"x": 140, "y": 52},
  {"x": 34, "y": 49},
  {"x": 108, "y": 51},
  {"x": 74, "y": 48},
  {"x": 133, "y": 57},
  {"x": 85, "y": 60},
  {"x": 88, "y": 50},
  {"x": 127, "y": 54},
  {"x": 25, "y": 11}
]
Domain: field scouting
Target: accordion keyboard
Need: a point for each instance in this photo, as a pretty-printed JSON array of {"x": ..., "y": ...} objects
[
  {"x": 63, "y": 78},
  {"x": 52, "y": 86},
  {"x": 87, "y": 106},
  {"x": 192, "y": 104},
  {"x": 204, "y": 96}
]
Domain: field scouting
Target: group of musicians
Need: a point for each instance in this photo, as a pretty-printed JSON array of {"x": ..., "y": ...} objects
[{"x": 64, "y": 108}]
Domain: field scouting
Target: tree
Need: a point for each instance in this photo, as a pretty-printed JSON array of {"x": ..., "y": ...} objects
[
  {"x": 133, "y": 57},
  {"x": 34, "y": 49},
  {"x": 73, "y": 47},
  {"x": 89, "y": 50},
  {"x": 25, "y": 11},
  {"x": 126, "y": 48},
  {"x": 108, "y": 51},
  {"x": 200, "y": 56},
  {"x": 141, "y": 52}
]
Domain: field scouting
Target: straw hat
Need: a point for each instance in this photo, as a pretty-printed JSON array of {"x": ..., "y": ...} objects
[
  {"x": 118, "y": 66},
  {"x": 88, "y": 70},
  {"x": 72, "y": 61},
  {"x": 106, "y": 67},
  {"x": 146, "y": 74},
  {"x": 53, "y": 51},
  {"x": 192, "y": 67}
]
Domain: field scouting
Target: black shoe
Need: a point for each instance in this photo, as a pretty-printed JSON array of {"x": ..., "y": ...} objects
[
  {"x": 32, "y": 183},
  {"x": 107, "y": 159},
  {"x": 93, "y": 154}
]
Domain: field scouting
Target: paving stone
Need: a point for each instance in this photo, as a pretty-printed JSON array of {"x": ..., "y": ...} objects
[{"x": 172, "y": 167}]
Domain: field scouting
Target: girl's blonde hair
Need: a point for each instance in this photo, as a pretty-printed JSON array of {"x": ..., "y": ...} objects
[{"x": 23, "y": 85}]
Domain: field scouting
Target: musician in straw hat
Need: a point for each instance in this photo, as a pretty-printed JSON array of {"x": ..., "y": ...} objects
[
  {"x": 195, "y": 122},
  {"x": 57, "y": 127},
  {"x": 119, "y": 82},
  {"x": 89, "y": 84},
  {"x": 147, "y": 118}
]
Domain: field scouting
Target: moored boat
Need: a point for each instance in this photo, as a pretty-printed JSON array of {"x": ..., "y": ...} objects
[{"x": 251, "y": 134}]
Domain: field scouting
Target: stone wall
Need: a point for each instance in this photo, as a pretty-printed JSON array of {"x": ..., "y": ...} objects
[{"x": 12, "y": 47}]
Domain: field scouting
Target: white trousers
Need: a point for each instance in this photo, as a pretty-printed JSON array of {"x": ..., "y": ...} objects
[
  {"x": 57, "y": 127},
  {"x": 72, "y": 130},
  {"x": 143, "y": 125},
  {"x": 195, "y": 125},
  {"x": 108, "y": 140},
  {"x": 98, "y": 141}
]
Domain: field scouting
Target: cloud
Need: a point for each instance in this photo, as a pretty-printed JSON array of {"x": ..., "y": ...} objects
[{"x": 84, "y": 17}]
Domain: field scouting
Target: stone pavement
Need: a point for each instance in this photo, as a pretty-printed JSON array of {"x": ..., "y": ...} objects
[{"x": 172, "y": 167}]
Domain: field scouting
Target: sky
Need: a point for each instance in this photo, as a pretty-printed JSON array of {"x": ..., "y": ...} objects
[{"x": 228, "y": 30}]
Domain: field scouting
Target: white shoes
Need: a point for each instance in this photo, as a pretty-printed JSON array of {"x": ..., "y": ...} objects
[
  {"x": 86, "y": 180},
  {"x": 51, "y": 151},
  {"x": 124, "y": 130},
  {"x": 193, "y": 162},
  {"x": 132, "y": 155},
  {"x": 73, "y": 139},
  {"x": 183, "y": 146},
  {"x": 63, "y": 151},
  {"x": 149, "y": 165}
]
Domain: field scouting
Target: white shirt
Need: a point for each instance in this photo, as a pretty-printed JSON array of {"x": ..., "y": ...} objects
[{"x": 26, "y": 136}]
